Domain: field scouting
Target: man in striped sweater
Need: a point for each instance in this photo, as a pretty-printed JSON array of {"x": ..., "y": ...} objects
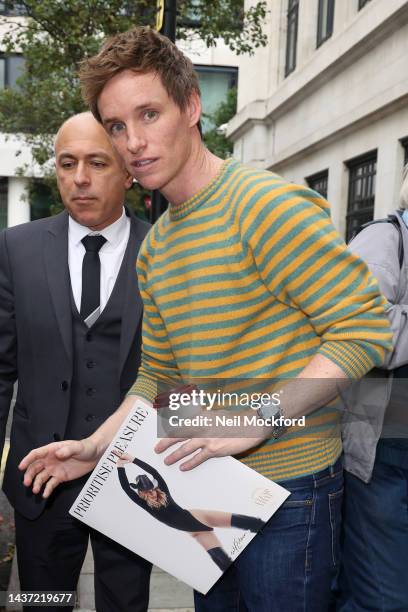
[{"x": 244, "y": 276}]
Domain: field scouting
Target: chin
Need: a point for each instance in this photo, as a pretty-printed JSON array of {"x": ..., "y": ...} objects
[
  {"x": 150, "y": 182},
  {"x": 86, "y": 220}
]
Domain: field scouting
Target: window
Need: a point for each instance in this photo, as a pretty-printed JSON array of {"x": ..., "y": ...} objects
[
  {"x": 42, "y": 201},
  {"x": 214, "y": 83},
  {"x": 360, "y": 208},
  {"x": 11, "y": 67},
  {"x": 12, "y": 8},
  {"x": 325, "y": 21},
  {"x": 3, "y": 202},
  {"x": 362, "y": 3},
  {"x": 291, "y": 36},
  {"x": 318, "y": 182},
  {"x": 2, "y": 73}
]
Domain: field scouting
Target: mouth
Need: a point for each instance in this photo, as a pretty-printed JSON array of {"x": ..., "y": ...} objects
[
  {"x": 83, "y": 198},
  {"x": 143, "y": 163}
]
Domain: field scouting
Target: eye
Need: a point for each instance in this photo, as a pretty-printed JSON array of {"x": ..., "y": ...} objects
[
  {"x": 98, "y": 164},
  {"x": 150, "y": 115},
  {"x": 67, "y": 165},
  {"x": 116, "y": 128}
]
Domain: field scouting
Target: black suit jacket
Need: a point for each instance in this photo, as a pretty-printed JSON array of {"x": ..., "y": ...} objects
[{"x": 36, "y": 339}]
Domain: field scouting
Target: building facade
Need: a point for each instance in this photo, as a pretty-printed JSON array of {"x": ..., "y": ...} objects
[{"x": 326, "y": 102}]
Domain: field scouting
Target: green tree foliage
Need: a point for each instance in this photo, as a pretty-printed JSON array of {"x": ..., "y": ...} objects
[
  {"x": 55, "y": 36},
  {"x": 215, "y": 138}
]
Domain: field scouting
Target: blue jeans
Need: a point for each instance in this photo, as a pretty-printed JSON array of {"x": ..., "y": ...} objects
[
  {"x": 289, "y": 566},
  {"x": 374, "y": 574}
]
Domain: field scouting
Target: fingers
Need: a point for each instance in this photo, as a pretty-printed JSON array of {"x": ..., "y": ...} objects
[
  {"x": 61, "y": 450},
  {"x": 184, "y": 450},
  {"x": 39, "y": 476},
  {"x": 34, "y": 455},
  {"x": 196, "y": 460},
  {"x": 39, "y": 480},
  {"x": 165, "y": 443},
  {"x": 32, "y": 471},
  {"x": 50, "y": 486}
]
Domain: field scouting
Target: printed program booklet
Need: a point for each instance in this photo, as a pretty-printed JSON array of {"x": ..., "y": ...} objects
[{"x": 180, "y": 521}]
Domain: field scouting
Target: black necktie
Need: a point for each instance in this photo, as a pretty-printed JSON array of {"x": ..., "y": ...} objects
[{"x": 91, "y": 275}]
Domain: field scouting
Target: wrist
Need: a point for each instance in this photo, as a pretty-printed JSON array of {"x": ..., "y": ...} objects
[
  {"x": 273, "y": 417},
  {"x": 99, "y": 443}
]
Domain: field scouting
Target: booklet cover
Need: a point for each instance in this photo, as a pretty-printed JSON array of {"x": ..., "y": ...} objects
[{"x": 191, "y": 524}]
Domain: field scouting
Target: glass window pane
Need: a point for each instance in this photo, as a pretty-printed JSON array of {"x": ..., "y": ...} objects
[
  {"x": 41, "y": 200},
  {"x": 15, "y": 68},
  {"x": 291, "y": 36},
  {"x": 2, "y": 72},
  {"x": 319, "y": 182},
  {"x": 362, "y": 3},
  {"x": 325, "y": 20},
  {"x": 214, "y": 85},
  {"x": 360, "y": 207}
]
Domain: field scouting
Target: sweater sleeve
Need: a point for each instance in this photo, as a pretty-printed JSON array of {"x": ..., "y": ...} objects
[
  {"x": 303, "y": 261},
  {"x": 158, "y": 367}
]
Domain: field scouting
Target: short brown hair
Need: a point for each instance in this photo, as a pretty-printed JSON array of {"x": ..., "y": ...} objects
[{"x": 142, "y": 50}]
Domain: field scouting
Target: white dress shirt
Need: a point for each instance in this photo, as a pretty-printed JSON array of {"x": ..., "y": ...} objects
[{"x": 110, "y": 255}]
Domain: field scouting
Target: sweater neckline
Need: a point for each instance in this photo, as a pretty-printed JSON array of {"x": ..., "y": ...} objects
[{"x": 185, "y": 208}]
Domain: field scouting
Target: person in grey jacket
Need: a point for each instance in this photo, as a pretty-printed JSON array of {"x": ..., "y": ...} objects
[{"x": 375, "y": 521}]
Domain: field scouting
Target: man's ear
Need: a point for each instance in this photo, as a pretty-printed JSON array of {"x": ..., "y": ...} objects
[
  {"x": 194, "y": 109},
  {"x": 128, "y": 180}
]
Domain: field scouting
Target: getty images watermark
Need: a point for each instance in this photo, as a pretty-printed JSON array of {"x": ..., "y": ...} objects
[{"x": 199, "y": 399}]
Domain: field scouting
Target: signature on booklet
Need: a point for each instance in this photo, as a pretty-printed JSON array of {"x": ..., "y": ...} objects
[
  {"x": 238, "y": 544},
  {"x": 262, "y": 496}
]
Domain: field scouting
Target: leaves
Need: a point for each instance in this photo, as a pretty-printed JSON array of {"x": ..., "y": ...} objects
[
  {"x": 215, "y": 138},
  {"x": 57, "y": 35}
]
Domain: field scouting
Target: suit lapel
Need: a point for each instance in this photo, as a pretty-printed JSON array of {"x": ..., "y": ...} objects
[
  {"x": 56, "y": 265},
  {"x": 132, "y": 307}
]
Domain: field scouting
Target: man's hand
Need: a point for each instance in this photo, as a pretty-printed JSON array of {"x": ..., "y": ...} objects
[
  {"x": 206, "y": 447},
  {"x": 58, "y": 462}
]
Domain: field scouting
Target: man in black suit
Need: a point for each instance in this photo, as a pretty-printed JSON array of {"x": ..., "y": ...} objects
[{"x": 70, "y": 323}]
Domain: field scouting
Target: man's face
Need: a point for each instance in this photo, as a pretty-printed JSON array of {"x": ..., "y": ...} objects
[
  {"x": 91, "y": 177},
  {"x": 148, "y": 129}
]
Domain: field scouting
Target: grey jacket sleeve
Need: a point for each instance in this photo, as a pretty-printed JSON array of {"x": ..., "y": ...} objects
[
  {"x": 377, "y": 245},
  {"x": 8, "y": 338}
]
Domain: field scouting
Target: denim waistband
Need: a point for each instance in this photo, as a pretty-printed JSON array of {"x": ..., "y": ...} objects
[{"x": 317, "y": 479}]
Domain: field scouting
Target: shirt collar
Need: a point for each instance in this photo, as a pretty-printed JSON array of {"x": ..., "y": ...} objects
[
  {"x": 113, "y": 233},
  {"x": 405, "y": 217}
]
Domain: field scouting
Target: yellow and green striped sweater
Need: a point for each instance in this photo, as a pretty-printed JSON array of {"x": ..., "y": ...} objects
[{"x": 249, "y": 279}]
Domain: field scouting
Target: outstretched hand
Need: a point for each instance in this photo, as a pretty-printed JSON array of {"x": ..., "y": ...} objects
[{"x": 58, "y": 462}]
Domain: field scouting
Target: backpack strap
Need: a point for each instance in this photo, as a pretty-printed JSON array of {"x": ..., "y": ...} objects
[{"x": 390, "y": 219}]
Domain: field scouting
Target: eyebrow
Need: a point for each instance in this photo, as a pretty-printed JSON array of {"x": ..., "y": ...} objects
[{"x": 67, "y": 154}]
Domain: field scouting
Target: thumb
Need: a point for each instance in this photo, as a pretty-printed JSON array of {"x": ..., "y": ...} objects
[{"x": 69, "y": 448}]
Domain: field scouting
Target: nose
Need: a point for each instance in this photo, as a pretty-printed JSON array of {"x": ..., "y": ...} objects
[
  {"x": 136, "y": 141},
  {"x": 81, "y": 175}
]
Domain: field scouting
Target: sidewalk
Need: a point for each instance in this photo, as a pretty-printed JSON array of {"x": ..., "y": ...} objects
[{"x": 166, "y": 593}]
